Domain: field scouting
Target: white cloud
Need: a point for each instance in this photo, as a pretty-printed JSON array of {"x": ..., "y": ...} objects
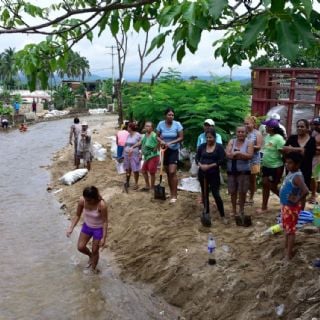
[{"x": 200, "y": 63}]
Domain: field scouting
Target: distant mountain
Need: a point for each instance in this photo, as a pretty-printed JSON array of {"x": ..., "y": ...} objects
[{"x": 94, "y": 77}]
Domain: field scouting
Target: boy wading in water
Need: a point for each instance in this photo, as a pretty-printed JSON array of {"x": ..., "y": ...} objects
[
  {"x": 95, "y": 224},
  {"x": 292, "y": 192}
]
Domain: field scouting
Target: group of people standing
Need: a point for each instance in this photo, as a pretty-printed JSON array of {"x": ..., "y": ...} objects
[
  {"x": 164, "y": 142},
  {"x": 248, "y": 154}
]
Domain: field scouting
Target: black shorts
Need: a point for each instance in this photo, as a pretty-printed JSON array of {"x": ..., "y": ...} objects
[
  {"x": 274, "y": 174},
  {"x": 170, "y": 157}
]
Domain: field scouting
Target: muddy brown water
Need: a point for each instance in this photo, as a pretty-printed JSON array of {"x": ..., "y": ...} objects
[{"x": 42, "y": 275}]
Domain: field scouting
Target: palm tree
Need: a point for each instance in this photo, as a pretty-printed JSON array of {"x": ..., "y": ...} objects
[
  {"x": 8, "y": 68},
  {"x": 76, "y": 66}
]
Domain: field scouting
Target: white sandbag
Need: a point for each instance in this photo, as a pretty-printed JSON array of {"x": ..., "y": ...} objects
[
  {"x": 56, "y": 113},
  {"x": 99, "y": 153},
  {"x": 98, "y": 111},
  {"x": 72, "y": 176},
  {"x": 189, "y": 184}
]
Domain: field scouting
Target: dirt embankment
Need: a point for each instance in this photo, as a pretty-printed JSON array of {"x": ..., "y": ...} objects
[{"x": 165, "y": 245}]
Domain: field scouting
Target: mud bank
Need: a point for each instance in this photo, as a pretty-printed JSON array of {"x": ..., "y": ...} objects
[{"x": 165, "y": 245}]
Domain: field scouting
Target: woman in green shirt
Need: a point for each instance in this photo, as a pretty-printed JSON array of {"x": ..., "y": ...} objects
[
  {"x": 149, "y": 147},
  {"x": 272, "y": 163}
]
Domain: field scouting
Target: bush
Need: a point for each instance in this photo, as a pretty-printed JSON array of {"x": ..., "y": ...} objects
[{"x": 193, "y": 102}]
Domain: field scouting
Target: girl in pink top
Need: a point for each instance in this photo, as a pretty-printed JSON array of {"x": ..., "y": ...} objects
[
  {"x": 95, "y": 224},
  {"x": 121, "y": 139}
]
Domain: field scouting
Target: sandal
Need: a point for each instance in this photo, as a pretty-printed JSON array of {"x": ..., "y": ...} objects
[
  {"x": 144, "y": 189},
  {"x": 135, "y": 187},
  {"x": 173, "y": 200},
  {"x": 312, "y": 200}
]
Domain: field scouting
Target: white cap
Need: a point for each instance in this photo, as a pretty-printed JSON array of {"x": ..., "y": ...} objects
[
  {"x": 275, "y": 116},
  {"x": 209, "y": 122},
  {"x": 84, "y": 123}
]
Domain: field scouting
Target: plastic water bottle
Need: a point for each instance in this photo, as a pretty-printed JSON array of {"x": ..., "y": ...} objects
[
  {"x": 211, "y": 249},
  {"x": 316, "y": 210},
  {"x": 273, "y": 230}
]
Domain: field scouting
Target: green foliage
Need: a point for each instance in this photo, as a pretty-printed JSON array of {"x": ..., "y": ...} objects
[
  {"x": 63, "y": 97},
  {"x": 5, "y": 97},
  {"x": 16, "y": 98},
  {"x": 5, "y": 111},
  {"x": 193, "y": 102},
  {"x": 305, "y": 59},
  {"x": 39, "y": 61},
  {"x": 106, "y": 87},
  {"x": 8, "y": 69},
  {"x": 98, "y": 101}
]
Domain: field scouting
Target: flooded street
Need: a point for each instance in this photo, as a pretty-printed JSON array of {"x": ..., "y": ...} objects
[{"x": 42, "y": 275}]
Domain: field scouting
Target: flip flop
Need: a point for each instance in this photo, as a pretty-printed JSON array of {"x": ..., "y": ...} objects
[
  {"x": 312, "y": 200},
  {"x": 144, "y": 189},
  {"x": 172, "y": 200}
]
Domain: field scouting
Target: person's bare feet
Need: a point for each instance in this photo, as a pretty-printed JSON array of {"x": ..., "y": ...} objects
[{"x": 88, "y": 264}]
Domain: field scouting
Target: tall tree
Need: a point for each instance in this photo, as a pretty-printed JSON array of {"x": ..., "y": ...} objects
[
  {"x": 76, "y": 66},
  {"x": 249, "y": 25},
  {"x": 8, "y": 68},
  {"x": 122, "y": 50},
  {"x": 142, "y": 51},
  {"x": 273, "y": 58}
]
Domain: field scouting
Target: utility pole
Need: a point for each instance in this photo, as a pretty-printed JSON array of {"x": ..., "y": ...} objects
[{"x": 112, "y": 72}]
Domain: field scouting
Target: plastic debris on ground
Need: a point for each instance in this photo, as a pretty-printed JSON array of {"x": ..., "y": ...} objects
[
  {"x": 280, "y": 310},
  {"x": 189, "y": 184},
  {"x": 304, "y": 218},
  {"x": 120, "y": 167},
  {"x": 113, "y": 143}
]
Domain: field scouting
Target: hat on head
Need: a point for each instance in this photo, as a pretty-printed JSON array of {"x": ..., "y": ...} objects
[
  {"x": 84, "y": 123},
  {"x": 209, "y": 122},
  {"x": 275, "y": 116},
  {"x": 316, "y": 120},
  {"x": 272, "y": 123}
]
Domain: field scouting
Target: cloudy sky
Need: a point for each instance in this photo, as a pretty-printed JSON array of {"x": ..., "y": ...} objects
[{"x": 202, "y": 63}]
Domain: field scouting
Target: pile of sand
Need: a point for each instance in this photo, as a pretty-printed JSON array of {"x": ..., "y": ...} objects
[{"x": 165, "y": 245}]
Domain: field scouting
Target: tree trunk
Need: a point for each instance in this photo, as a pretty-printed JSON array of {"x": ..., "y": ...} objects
[{"x": 118, "y": 92}]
